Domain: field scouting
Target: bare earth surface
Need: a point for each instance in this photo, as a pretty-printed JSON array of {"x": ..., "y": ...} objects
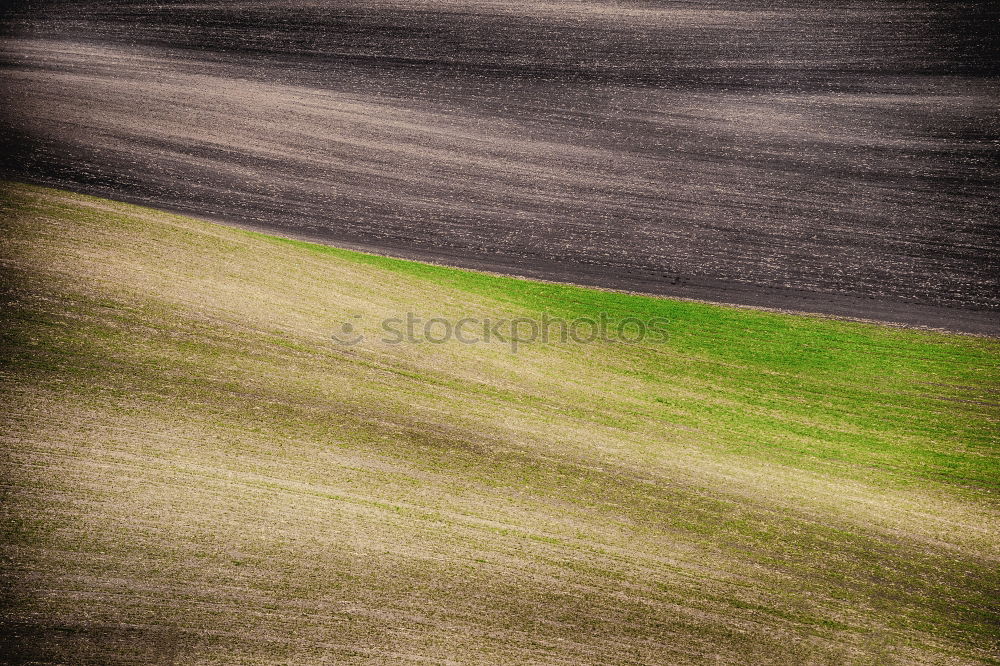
[{"x": 834, "y": 157}]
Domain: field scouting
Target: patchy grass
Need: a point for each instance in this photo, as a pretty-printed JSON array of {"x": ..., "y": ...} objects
[{"x": 195, "y": 471}]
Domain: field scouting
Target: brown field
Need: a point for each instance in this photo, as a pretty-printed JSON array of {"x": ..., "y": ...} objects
[{"x": 834, "y": 157}]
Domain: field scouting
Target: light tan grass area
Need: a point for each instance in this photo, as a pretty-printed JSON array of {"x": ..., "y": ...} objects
[{"x": 195, "y": 472}]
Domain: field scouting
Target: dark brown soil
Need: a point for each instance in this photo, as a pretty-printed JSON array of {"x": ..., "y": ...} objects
[{"x": 828, "y": 157}]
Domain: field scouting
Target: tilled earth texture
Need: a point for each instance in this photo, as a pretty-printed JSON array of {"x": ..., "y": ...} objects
[{"x": 833, "y": 157}]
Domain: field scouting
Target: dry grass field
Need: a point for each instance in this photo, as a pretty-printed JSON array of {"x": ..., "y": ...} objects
[{"x": 194, "y": 472}]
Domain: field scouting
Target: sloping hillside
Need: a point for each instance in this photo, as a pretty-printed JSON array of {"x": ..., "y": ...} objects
[
  {"x": 195, "y": 471},
  {"x": 831, "y": 156}
]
